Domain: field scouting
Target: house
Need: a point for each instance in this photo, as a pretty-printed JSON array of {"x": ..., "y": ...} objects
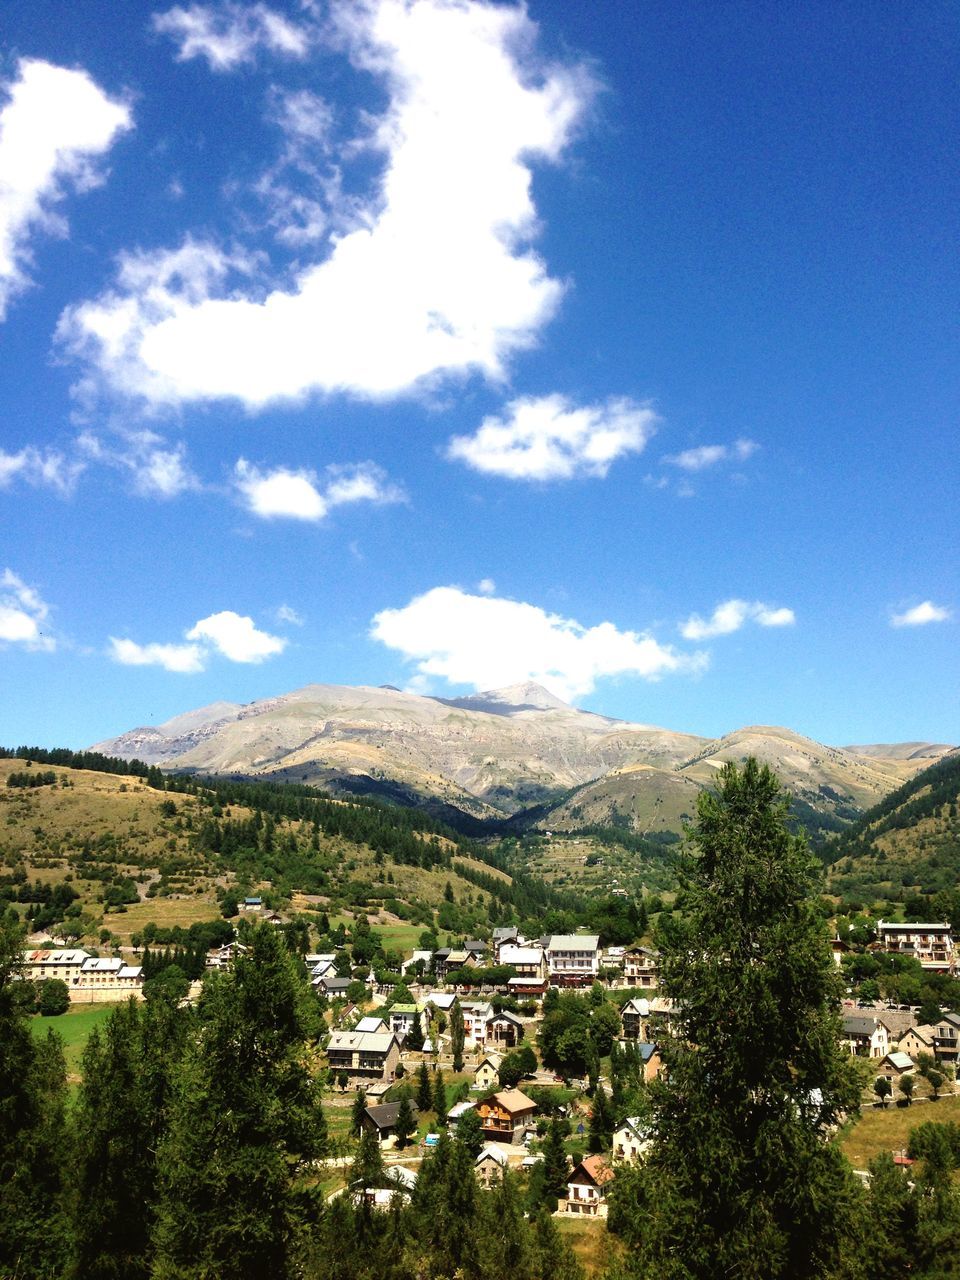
[
  {"x": 503, "y": 936},
  {"x": 632, "y": 1015},
  {"x": 946, "y": 1033},
  {"x": 251, "y": 904},
  {"x": 918, "y": 1040},
  {"x": 529, "y": 962},
  {"x": 418, "y": 958},
  {"x": 220, "y": 958},
  {"x": 931, "y": 944},
  {"x": 382, "y": 1120},
  {"x": 649, "y": 1055},
  {"x": 489, "y": 1165},
  {"x": 587, "y": 1186},
  {"x": 476, "y": 1015},
  {"x": 838, "y": 949},
  {"x": 450, "y": 963},
  {"x": 333, "y": 988},
  {"x": 631, "y": 1140},
  {"x": 487, "y": 1074},
  {"x": 504, "y": 1030},
  {"x": 641, "y": 967},
  {"x": 442, "y": 1001},
  {"x": 402, "y": 1017},
  {"x": 367, "y": 1055},
  {"x": 865, "y": 1037},
  {"x": 895, "y": 1065},
  {"x": 476, "y": 950},
  {"x": 897, "y": 1021},
  {"x": 505, "y": 1115},
  {"x": 573, "y": 960},
  {"x": 371, "y": 1023},
  {"x": 613, "y": 957},
  {"x": 64, "y": 964}
]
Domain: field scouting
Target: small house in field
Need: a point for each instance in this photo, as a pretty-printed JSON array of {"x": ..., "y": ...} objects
[
  {"x": 489, "y": 1165},
  {"x": 587, "y": 1187},
  {"x": 918, "y": 1040},
  {"x": 382, "y": 1120},
  {"x": 895, "y": 1065},
  {"x": 487, "y": 1074},
  {"x": 504, "y": 1116}
]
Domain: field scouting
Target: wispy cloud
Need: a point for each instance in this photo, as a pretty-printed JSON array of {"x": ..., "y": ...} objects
[
  {"x": 43, "y": 469},
  {"x": 551, "y": 438},
  {"x": 705, "y": 456},
  {"x": 230, "y": 35},
  {"x": 921, "y": 615},
  {"x": 283, "y": 493},
  {"x": 23, "y": 613},
  {"x": 157, "y": 468},
  {"x": 54, "y": 126},
  {"x": 487, "y": 642},
  {"x": 232, "y": 635},
  {"x": 731, "y": 615},
  {"x": 435, "y": 278}
]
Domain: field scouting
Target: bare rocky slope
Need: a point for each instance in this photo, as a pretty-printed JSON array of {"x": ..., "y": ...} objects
[{"x": 497, "y": 753}]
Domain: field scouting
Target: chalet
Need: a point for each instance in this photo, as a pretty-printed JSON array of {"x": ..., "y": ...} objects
[
  {"x": 641, "y": 968},
  {"x": 502, "y": 936},
  {"x": 251, "y": 904},
  {"x": 528, "y": 962},
  {"x": 402, "y": 1017},
  {"x": 476, "y": 950},
  {"x": 897, "y": 1021},
  {"x": 63, "y": 964},
  {"x": 333, "y": 988},
  {"x": 505, "y": 1030},
  {"x": 632, "y": 1015},
  {"x": 442, "y": 1001},
  {"x": 505, "y": 1115},
  {"x": 838, "y": 949},
  {"x": 219, "y": 958},
  {"x": 371, "y": 1023},
  {"x": 931, "y": 944},
  {"x": 527, "y": 988},
  {"x": 865, "y": 1037},
  {"x": 573, "y": 960},
  {"x": 364, "y": 1055},
  {"x": 649, "y": 1056},
  {"x": 917, "y": 1040},
  {"x": 382, "y": 1120},
  {"x": 489, "y": 1165},
  {"x": 451, "y": 962},
  {"x": 487, "y": 1074},
  {"x": 476, "y": 1015},
  {"x": 946, "y": 1034},
  {"x": 631, "y": 1140},
  {"x": 587, "y": 1186},
  {"x": 895, "y": 1065}
]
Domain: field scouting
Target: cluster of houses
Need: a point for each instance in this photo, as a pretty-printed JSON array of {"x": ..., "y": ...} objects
[
  {"x": 89, "y": 979},
  {"x": 894, "y": 1039}
]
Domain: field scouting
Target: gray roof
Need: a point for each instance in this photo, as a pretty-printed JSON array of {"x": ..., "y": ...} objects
[
  {"x": 369, "y": 1041},
  {"x": 384, "y": 1116},
  {"x": 853, "y": 1025},
  {"x": 574, "y": 942}
]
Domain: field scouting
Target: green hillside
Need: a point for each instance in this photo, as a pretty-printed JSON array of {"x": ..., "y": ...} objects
[{"x": 905, "y": 846}]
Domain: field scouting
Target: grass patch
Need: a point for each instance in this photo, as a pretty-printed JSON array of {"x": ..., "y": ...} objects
[
  {"x": 164, "y": 912},
  {"x": 888, "y": 1128},
  {"x": 589, "y": 1241},
  {"x": 74, "y": 1028}
]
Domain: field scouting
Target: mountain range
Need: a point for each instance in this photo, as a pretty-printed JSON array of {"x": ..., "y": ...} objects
[{"x": 517, "y": 753}]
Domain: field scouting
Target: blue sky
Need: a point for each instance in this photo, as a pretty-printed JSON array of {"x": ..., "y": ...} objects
[{"x": 449, "y": 344}]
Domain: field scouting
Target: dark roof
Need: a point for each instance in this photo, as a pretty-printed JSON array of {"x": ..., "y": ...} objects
[
  {"x": 384, "y": 1116},
  {"x": 335, "y": 984},
  {"x": 477, "y": 947},
  {"x": 646, "y": 1051},
  {"x": 856, "y": 1026}
]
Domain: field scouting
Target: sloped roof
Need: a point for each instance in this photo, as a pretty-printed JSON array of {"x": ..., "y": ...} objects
[
  {"x": 595, "y": 1168},
  {"x": 574, "y": 942},
  {"x": 369, "y": 1041},
  {"x": 513, "y": 1100},
  {"x": 492, "y": 1153},
  {"x": 384, "y": 1115}
]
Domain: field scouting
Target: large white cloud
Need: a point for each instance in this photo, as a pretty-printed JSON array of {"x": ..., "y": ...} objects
[
  {"x": 302, "y": 495},
  {"x": 550, "y": 438},
  {"x": 22, "y": 614},
  {"x": 488, "y": 642},
  {"x": 434, "y": 277},
  {"x": 731, "y": 615},
  {"x": 921, "y": 615},
  {"x": 54, "y": 125},
  {"x": 230, "y": 634},
  {"x": 229, "y": 35}
]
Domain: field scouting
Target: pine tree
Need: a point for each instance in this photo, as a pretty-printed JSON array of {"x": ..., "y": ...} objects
[
  {"x": 457, "y": 1036},
  {"x": 357, "y": 1113},
  {"x": 415, "y": 1035},
  {"x": 406, "y": 1125},
  {"x": 470, "y": 1132},
  {"x": 556, "y": 1166},
  {"x": 245, "y": 1126},
  {"x": 440, "y": 1098},
  {"x": 755, "y": 1076},
  {"x": 424, "y": 1088}
]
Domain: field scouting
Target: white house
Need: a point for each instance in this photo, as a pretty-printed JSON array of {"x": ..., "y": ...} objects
[{"x": 573, "y": 959}]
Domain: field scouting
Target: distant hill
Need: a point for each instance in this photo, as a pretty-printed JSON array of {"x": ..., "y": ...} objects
[
  {"x": 908, "y": 842},
  {"x": 516, "y": 753}
]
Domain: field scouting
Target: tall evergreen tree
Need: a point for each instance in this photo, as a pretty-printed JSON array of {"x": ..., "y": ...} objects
[
  {"x": 740, "y": 1180},
  {"x": 457, "y": 1035},
  {"x": 424, "y": 1088},
  {"x": 406, "y": 1125},
  {"x": 356, "y": 1113},
  {"x": 556, "y": 1166},
  {"x": 245, "y": 1127},
  {"x": 440, "y": 1097}
]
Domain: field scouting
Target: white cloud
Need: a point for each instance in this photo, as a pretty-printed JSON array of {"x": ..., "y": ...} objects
[
  {"x": 920, "y": 615},
  {"x": 229, "y": 35},
  {"x": 287, "y": 613},
  {"x": 302, "y": 495},
  {"x": 158, "y": 469},
  {"x": 230, "y": 634},
  {"x": 55, "y": 123},
  {"x": 50, "y": 469},
  {"x": 731, "y": 615},
  {"x": 236, "y": 637},
  {"x": 434, "y": 277},
  {"x": 22, "y": 614},
  {"x": 709, "y": 455},
  {"x": 488, "y": 642},
  {"x": 486, "y": 586},
  {"x": 550, "y": 438},
  {"x": 184, "y": 659}
]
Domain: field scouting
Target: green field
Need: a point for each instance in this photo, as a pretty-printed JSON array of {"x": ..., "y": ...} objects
[
  {"x": 74, "y": 1028},
  {"x": 888, "y": 1128}
]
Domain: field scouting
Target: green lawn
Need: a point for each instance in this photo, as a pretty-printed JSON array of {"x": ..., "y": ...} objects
[
  {"x": 74, "y": 1028},
  {"x": 888, "y": 1128}
]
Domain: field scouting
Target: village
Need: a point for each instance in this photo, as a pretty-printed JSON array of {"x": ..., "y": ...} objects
[{"x": 458, "y": 1045}]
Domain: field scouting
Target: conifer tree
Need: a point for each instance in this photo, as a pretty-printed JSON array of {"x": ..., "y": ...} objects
[
  {"x": 470, "y": 1132},
  {"x": 424, "y": 1088},
  {"x": 556, "y": 1166},
  {"x": 457, "y": 1036},
  {"x": 406, "y": 1125},
  {"x": 245, "y": 1126},
  {"x": 356, "y": 1113},
  {"x": 440, "y": 1098},
  {"x": 415, "y": 1035},
  {"x": 740, "y": 1180}
]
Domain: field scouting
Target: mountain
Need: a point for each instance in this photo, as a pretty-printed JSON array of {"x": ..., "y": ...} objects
[
  {"x": 907, "y": 843},
  {"x": 498, "y": 753}
]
